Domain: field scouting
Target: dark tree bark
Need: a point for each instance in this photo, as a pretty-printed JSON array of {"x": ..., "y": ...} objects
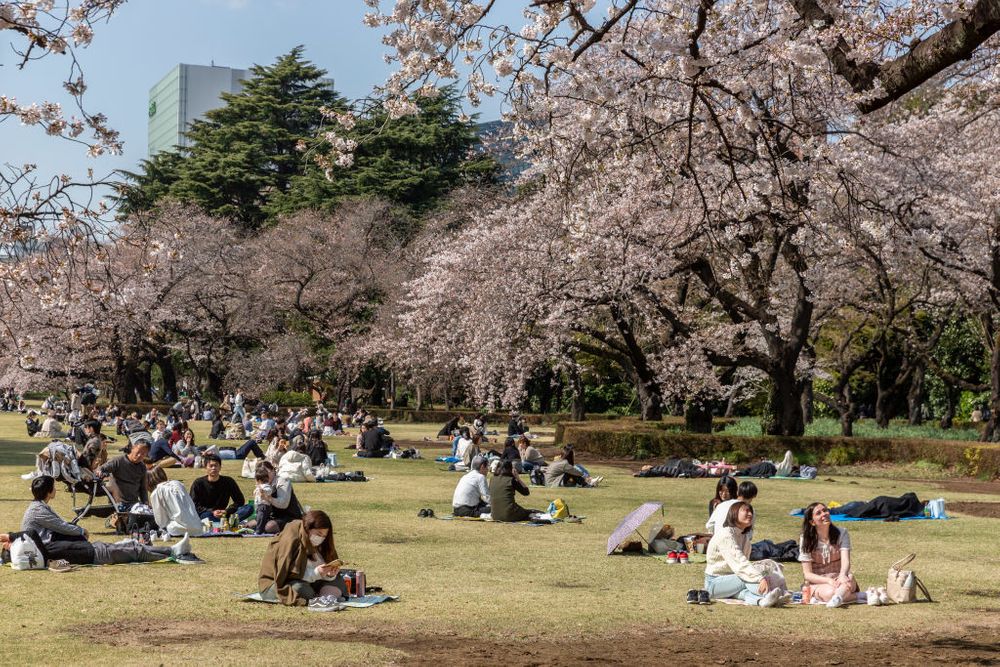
[
  {"x": 577, "y": 408},
  {"x": 783, "y": 411},
  {"x": 915, "y": 396},
  {"x": 698, "y": 415},
  {"x": 167, "y": 370}
]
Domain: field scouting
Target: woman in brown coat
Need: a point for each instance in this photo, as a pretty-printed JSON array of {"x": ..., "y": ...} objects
[{"x": 298, "y": 568}]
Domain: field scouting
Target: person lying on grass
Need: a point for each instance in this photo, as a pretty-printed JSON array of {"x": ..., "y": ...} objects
[
  {"x": 825, "y": 554},
  {"x": 724, "y": 490},
  {"x": 565, "y": 472},
  {"x": 728, "y": 570},
  {"x": 300, "y": 566},
  {"x": 505, "y": 483},
  {"x": 69, "y": 542}
]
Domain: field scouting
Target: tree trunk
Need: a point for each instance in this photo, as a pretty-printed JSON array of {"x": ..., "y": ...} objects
[
  {"x": 991, "y": 432},
  {"x": 145, "y": 383},
  {"x": 847, "y": 423},
  {"x": 545, "y": 392},
  {"x": 882, "y": 411},
  {"x": 169, "y": 373},
  {"x": 807, "y": 401},
  {"x": 783, "y": 412},
  {"x": 915, "y": 396},
  {"x": 697, "y": 415},
  {"x": 577, "y": 412},
  {"x": 420, "y": 398}
]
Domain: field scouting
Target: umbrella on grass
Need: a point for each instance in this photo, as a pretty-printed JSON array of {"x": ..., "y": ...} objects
[{"x": 631, "y": 524}]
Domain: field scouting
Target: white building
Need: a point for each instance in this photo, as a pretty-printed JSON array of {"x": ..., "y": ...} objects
[{"x": 183, "y": 96}]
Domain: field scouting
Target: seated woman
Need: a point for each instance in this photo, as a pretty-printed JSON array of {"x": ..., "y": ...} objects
[
  {"x": 274, "y": 500},
  {"x": 564, "y": 472},
  {"x": 186, "y": 450},
  {"x": 531, "y": 458},
  {"x": 825, "y": 554},
  {"x": 32, "y": 423},
  {"x": 729, "y": 572},
  {"x": 299, "y": 566},
  {"x": 51, "y": 428},
  {"x": 503, "y": 505},
  {"x": 725, "y": 489},
  {"x": 69, "y": 542},
  {"x": 173, "y": 509}
]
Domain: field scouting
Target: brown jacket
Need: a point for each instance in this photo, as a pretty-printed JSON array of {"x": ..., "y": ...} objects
[{"x": 285, "y": 561}]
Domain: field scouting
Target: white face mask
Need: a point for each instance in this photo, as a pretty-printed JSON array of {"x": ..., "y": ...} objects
[{"x": 316, "y": 540}]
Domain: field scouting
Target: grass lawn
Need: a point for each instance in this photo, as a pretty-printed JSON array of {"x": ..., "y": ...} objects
[{"x": 490, "y": 593}]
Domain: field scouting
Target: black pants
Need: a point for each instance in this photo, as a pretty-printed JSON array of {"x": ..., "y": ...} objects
[
  {"x": 373, "y": 453},
  {"x": 468, "y": 510}
]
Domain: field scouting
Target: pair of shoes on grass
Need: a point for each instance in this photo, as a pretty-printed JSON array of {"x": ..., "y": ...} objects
[
  {"x": 696, "y": 596},
  {"x": 427, "y": 513},
  {"x": 678, "y": 557},
  {"x": 877, "y": 596}
]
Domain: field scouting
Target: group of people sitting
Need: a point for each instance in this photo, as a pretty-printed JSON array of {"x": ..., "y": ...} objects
[
  {"x": 824, "y": 552},
  {"x": 480, "y": 493}
]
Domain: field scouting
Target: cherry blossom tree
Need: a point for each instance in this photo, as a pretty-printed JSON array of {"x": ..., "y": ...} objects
[{"x": 739, "y": 122}]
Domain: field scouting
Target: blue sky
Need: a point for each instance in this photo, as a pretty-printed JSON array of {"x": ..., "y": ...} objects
[{"x": 145, "y": 38}]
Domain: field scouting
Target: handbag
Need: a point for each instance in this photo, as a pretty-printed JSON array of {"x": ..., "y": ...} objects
[{"x": 901, "y": 585}]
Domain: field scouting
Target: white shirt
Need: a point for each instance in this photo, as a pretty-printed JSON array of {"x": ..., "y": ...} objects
[
  {"x": 471, "y": 490},
  {"x": 174, "y": 510},
  {"x": 463, "y": 444},
  {"x": 718, "y": 518}
]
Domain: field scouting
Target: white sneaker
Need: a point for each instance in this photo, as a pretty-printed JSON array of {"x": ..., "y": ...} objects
[
  {"x": 835, "y": 601},
  {"x": 770, "y": 599},
  {"x": 182, "y": 547},
  {"x": 325, "y": 603},
  {"x": 872, "y": 596},
  {"x": 783, "y": 599},
  {"x": 883, "y": 597}
]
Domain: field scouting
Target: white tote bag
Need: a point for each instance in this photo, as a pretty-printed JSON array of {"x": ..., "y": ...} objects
[{"x": 25, "y": 554}]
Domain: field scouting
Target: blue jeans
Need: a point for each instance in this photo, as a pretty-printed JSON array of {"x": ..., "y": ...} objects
[
  {"x": 725, "y": 586},
  {"x": 249, "y": 446}
]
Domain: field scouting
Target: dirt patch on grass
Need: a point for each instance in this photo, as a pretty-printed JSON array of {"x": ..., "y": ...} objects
[
  {"x": 971, "y": 486},
  {"x": 988, "y": 510},
  {"x": 967, "y": 645}
]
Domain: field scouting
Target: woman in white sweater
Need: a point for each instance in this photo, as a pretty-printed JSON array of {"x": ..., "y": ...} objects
[{"x": 729, "y": 572}]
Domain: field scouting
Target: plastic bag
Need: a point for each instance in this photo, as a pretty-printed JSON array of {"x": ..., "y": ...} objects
[{"x": 25, "y": 554}]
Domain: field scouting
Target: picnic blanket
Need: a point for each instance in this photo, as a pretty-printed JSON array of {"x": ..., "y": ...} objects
[
  {"x": 550, "y": 522},
  {"x": 163, "y": 561},
  {"x": 356, "y": 603},
  {"x": 906, "y": 506},
  {"x": 837, "y": 518},
  {"x": 448, "y": 459},
  {"x": 230, "y": 533}
]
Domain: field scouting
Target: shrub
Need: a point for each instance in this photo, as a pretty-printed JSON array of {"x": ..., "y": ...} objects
[
  {"x": 840, "y": 456},
  {"x": 287, "y": 398}
]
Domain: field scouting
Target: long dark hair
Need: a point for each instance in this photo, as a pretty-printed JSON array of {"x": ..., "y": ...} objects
[
  {"x": 809, "y": 536},
  {"x": 567, "y": 454},
  {"x": 733, "y": 516},
  {"x": 725, "y": 482},
  {"x": 318, "y": 520}
]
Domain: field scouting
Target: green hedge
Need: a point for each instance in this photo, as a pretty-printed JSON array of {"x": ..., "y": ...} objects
[
  {"x": 642, "y": 440},
  {"x": 494, "y": 418}
]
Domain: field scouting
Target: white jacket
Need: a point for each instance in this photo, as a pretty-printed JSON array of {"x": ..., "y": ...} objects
[
  {"x": 296, "y": 467},
  {"x": 174, "y": 510}
]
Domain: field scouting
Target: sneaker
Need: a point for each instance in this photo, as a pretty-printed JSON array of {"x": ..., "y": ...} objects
[
  {"x": 703, "y": 597},
  {"x": 770, "y": 599},
  {"x": 430, "y": 513},
  {"x": 883, "y": 597},
  {"x": 188, "y": 559},
  {"x": 872, "y": 596},
  {"x": 672, "y": 557},
  {"x": 783, "y": 599},
  {"x": 61, "y": 566},
  {"x": 422, "y": 513},
  {"x": 325, "y": 603},
  {"x": 182, "y": 547},
  {"x": 682, "y": 557},
  {"x": 594, "y": 481},
  {"x": 835, "y": 601},
  {"x": 692, "y": 596}
]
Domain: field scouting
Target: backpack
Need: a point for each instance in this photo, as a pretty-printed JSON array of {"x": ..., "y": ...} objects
[
  {"x": 33, "y": 427},
  {"x": 317, "y": 453},
  {"x": 537, "y": 476}
]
